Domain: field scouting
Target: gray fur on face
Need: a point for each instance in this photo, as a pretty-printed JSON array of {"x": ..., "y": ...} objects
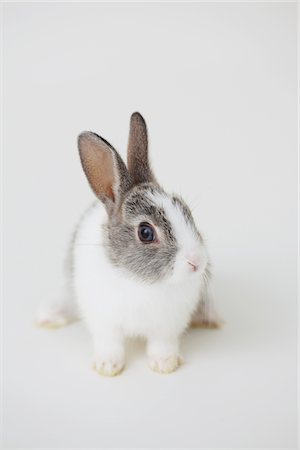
[{"x": 148, "y": 262}]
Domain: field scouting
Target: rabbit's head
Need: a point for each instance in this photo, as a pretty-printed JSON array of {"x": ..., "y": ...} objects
[{"x": 149, "y": 233}]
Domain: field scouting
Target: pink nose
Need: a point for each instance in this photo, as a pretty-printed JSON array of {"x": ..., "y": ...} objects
[{"x": 193, "y": 266}]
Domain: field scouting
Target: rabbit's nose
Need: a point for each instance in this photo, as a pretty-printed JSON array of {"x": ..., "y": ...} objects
[{"x": 194, "y": 267}]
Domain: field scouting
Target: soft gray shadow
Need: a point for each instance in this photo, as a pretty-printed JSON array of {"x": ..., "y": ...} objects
[{"x": 135, "y": 348}]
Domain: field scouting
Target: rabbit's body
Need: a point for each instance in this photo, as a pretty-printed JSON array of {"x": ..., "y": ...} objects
[
  {"x": 138, "y": 265},
  {"x": 109, "y": 298}
]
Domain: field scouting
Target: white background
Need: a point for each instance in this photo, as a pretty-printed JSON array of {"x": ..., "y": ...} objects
[{"x": 217, "y": 85}]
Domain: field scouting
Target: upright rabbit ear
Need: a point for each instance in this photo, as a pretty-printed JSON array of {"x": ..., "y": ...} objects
[
  {"x": 137, "y": 153},
  {"x": 104, "y": 168}
]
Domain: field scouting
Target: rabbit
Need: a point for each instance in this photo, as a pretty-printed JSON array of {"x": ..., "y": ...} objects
[{"x": 137, "y": 264}]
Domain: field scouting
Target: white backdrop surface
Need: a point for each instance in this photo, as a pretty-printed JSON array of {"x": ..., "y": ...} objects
[{"x": 217, "y": 85}]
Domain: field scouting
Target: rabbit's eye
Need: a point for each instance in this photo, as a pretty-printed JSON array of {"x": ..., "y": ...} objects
[{"x": 146, "y": 232}]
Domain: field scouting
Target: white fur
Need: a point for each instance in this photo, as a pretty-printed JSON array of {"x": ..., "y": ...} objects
[
  {"x": 190, "y": 248},
  {"x": 115, "y": 305}
]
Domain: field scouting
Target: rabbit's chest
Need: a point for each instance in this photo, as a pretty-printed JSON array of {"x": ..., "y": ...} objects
[{"x": 148, "y": 310}]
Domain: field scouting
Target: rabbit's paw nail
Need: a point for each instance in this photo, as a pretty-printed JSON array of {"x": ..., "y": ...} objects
[
  {"x": 52, "y": 322},
  {"x": 108, "y": 367},
  {"x": 165, "y": 365},
  {"x": 213, "y": 324}
]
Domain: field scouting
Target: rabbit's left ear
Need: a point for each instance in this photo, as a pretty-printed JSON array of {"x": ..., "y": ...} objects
[
  {"x": 104, "y": 169},
  {"x": 137, "y": 152}
]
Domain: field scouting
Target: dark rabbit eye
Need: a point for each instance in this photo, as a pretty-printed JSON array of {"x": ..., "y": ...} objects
[{"x": 146, "y": 232}]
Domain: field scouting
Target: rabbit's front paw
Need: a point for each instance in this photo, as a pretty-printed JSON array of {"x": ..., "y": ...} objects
[
  {"x": 108, "y": 367},
  {"x": 165, "y": 364}
]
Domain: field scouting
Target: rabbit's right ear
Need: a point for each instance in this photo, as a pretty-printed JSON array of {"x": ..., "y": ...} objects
[
  {"x": 104, "y": 168},
  {"x": 137, "y": 153}
]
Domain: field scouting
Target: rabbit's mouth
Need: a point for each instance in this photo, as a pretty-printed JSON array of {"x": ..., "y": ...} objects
[
  {"x": 194, "y": 267},
  {"x": 190, "y": 265}
]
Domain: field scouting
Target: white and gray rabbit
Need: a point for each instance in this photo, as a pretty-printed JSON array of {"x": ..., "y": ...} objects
[{"x": 137, "y": 264}]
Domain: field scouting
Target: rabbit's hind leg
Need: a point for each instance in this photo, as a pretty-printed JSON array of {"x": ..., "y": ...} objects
[
  {"x": 64, "y": 310},
  {"x": 57, "y": 314},
  {"x": 205, "y": 315}
]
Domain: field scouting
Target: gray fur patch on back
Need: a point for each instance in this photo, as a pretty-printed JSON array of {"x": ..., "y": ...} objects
[{"x": 148, "y": 262}]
